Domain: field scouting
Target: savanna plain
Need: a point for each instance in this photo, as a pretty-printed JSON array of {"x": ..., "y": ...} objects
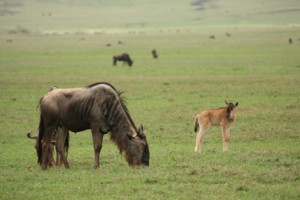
[{"x": 251, "y": 63}]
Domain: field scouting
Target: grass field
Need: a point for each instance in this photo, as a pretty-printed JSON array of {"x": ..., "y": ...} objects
[{"x": 255, "y": 66}]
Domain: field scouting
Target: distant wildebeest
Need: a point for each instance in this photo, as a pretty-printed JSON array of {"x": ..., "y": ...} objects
[
  {"x": 98, "y": 107},
  {"x": 154, "y": 54},
  {"x": 212, "y": 37},
  {"x": 290, "y": 40},
  {"x": 223, "y": 117},
  {"x": 59, "y": 140},
  {"x": 125, "y": 58}
]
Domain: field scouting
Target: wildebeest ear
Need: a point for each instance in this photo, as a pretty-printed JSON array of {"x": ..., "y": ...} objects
[
  {"x": 226, "y": 102},
  {"x": 237, "y": 103}
]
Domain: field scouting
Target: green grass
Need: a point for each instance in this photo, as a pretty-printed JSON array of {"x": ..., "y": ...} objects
[{"x": 255, "y": 66}]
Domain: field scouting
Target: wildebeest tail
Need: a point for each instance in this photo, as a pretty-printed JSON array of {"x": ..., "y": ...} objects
[
  {"x": 66, "y": 145},
  {"x": 41, "y": 135},
  {"x": 196, "y": 124}
]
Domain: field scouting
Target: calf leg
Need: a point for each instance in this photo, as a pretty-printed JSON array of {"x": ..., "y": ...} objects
[
  {"x": 46, "y": 147},
  {"x": 225, "y": 134},
  {"x": 199, "y": 139}
]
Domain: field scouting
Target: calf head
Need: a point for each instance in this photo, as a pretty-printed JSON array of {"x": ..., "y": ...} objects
[{"x": 231, "y": 109}]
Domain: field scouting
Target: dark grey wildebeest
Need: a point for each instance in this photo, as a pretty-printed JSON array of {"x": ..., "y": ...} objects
[
  {"x": 98, "y": 107},
  {"x": 154, "y": 53},
  {"x": 124, "y": 57}
]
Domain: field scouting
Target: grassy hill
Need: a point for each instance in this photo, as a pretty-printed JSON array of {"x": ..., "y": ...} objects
[{"x": 145, "y": 14}]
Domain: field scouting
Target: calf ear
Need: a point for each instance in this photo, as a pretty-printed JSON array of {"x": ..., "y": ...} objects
[{"x": 237, "y": 103}]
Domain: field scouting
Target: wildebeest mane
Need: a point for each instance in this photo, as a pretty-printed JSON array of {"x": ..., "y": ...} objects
[{"x": 108, "y": 104}]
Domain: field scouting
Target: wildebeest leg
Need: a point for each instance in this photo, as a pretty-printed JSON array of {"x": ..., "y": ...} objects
[
  {"x": 61, "y": 138},
  {"x": 225, "y": 134},
  {"x": 46, "y": 146},
  {"x": 50, "y": 155},
  {"x": 97, "y": 140},
  {"x": 199, "y": 138}
]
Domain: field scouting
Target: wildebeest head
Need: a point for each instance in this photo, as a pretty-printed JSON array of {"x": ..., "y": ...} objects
[
  {"x": 231, "y": 109},
  {"x": 138, "y": 150},
  {"x": 130, "y": 62}
]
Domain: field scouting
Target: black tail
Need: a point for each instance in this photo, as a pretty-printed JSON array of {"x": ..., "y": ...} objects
[
  {"x": 41, "y": 135},
  {"x": 66, "y": 145},
  {"x": 196, "y": 126}
]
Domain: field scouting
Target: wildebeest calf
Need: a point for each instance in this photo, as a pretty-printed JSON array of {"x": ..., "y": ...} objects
[
  {"x": 125, "y": 58},
  {"x": 223, "y": 117},
  {"x": 59, "y": 140}
]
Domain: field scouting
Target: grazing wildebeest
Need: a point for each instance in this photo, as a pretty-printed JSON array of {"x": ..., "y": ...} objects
[
  {"x": 125, "y": 58},
  {"x": 98, "y": 107},
  {"x": 223, "y": 117},
  {"x": 290, "y": 40},
  {"x": 59, "y": 140},
  {"x": 154, "y": 54}
]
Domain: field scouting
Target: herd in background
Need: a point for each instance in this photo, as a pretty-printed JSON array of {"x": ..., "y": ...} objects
[{"x": 126, "y": 60}]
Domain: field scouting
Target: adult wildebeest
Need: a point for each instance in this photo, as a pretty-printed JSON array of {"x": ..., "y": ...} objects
[
  {"x": 154, "y": 54},
  {"x": 125, "y": 58},
  {"x": 223, "y": 117},
  {"x": 98, "y": 107},
  {"x": 59, "y": 140}
]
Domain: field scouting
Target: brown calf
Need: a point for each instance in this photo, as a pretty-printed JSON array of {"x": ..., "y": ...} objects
[
  {"x": 223, "y": 117},
  {"x": 59, "y": 140}
]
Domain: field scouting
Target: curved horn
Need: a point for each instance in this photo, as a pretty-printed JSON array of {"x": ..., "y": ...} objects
[
  {"x": 141, "y": 128},
  {"x": 141, "y": 131},
  {"x": 31, "y": 137}
]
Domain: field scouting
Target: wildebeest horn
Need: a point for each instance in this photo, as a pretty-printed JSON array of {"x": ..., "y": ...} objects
[
  {"x": 226, "y": 102},
  {"x": 29, "y": 136},
  {"x": 237, "y": 103},
  {"x": 141, "y": 128},
  {"x": 141, "y": 131}
]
